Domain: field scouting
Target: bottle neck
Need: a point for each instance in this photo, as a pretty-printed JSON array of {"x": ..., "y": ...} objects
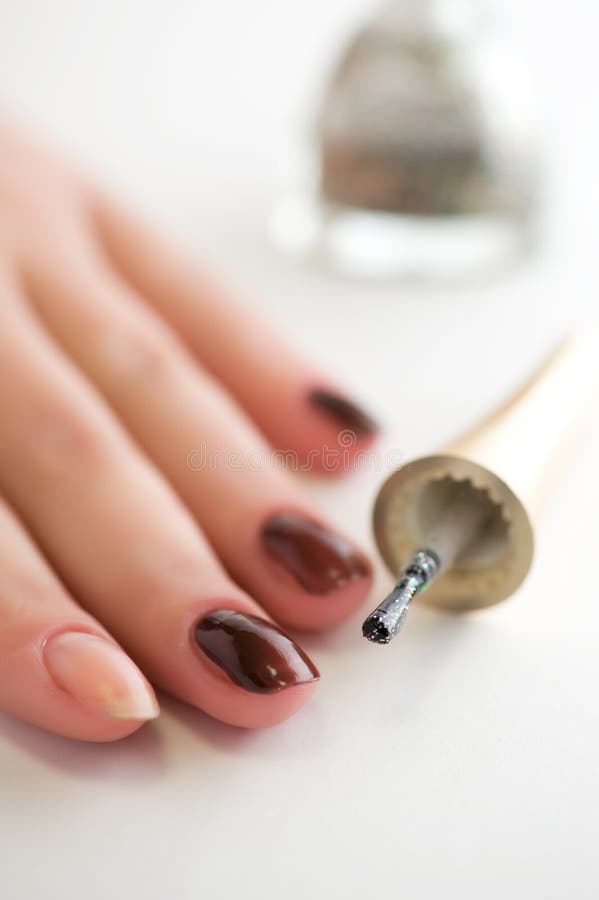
[{"x": 421, "y": 19}]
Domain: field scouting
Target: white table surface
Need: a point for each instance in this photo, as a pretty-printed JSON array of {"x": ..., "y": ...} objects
[{"x": 462, "y": 761}]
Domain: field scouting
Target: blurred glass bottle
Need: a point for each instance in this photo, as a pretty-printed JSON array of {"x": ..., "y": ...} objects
[{"x": 426, "y": 156}]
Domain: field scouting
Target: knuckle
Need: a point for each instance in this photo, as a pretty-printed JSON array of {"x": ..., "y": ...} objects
[
  {"x": 137, "y": 352},
  {"x": 68, "y": 445}
]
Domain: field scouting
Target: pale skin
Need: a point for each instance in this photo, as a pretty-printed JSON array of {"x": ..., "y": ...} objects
[{"x": 119, "y": 358}]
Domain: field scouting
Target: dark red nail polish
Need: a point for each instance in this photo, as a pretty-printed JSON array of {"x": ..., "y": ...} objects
[
  {"x": 320, "y": 560},
  {"x": 345, "y": 413},
  {"x": 253, "y": 652}
]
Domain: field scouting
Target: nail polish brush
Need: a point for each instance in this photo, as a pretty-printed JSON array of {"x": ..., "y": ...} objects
[{"x": 456, "y": 528}]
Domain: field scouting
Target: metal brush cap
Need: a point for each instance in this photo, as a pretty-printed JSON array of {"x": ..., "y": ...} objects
[{"x": 494, "y": 565}]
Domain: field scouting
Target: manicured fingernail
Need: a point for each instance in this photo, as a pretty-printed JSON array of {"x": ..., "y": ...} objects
[
  {"x": 320, "y": 560},
  {"x": 253, "y": 653},
  {"x": 345, "y": 413},
  {"x": 99, "y": 674}
]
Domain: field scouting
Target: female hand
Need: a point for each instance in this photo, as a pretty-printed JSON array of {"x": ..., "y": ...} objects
[{"x": 136, "y": 400}]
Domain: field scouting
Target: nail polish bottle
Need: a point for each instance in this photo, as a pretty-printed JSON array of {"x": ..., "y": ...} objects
[{"x": 426, "y": 161}]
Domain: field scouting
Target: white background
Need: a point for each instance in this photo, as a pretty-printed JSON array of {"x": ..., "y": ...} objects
[{"x": 461, "y": 762}]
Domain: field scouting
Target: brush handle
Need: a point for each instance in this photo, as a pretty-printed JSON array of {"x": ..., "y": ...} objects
[{"x": 528, "y": 438}]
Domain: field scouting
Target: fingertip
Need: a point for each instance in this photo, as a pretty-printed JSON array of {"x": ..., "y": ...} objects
[
  {"x": 264, "y": 712},
  {"x": 236, "y": 665},
  {"x": 328, "y": 434},
  {"x": 306, "y": 573},
  {"x": 338, "y": 409},
  {"x": 97, "y": 673},
  {"x": 50, "y": 682},
  {"x": 98, "y": 731}
]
